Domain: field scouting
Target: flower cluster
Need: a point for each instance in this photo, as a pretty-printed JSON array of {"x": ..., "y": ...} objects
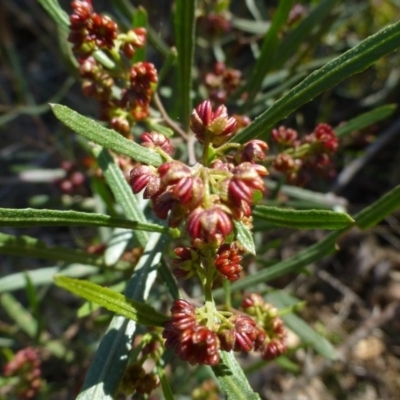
[
  {"x": 197, "y": 335},
  {"x": 312, "y": 152},
  {"x": 222, "y": 82},
  {"x": 191, "y": 341},
  {"x": 208, "y": 197},
  {"x": 26, "y": 368},
  {"x": 271, "y": 339},
  {"x": 123, "y": 90}
]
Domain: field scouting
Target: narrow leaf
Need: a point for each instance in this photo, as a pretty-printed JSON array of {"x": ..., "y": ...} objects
[
  {"x": 293, "y": 41},
  {"x": 303, "y": 219},
  {"x": 366, "y": 119},
  {"x": 244, "y": 236},
  {"x": 112, "y": 301},
  {"x": 294, "y": 264},
  {"x": 116, "y": 245},
  {"x": 379, "y": 210},
  {"x": 107, "y": 138},
  {"x": 110, "y": 360},
  {"x": 351, "y": 62},
  {"x": 26, "y": 246},
  {"x": 308, "y": 335},
  {"x": 43, "y": 276},
  {"x": 56, "y": 12},
  {"x": 271, "y": 40},
  {"x": 184, "y": 22},
  {"x": 22, "y": 317},
  {"x": 232, "y": 379},
  {"x": 33, "y": 217}
]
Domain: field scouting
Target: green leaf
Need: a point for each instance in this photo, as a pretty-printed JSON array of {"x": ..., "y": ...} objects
[
  {"x": 291, "y": 44},
  {"x": 54, "y": 9},
  {"x": 184, "y": 23},
  {"x": 43, "y": 276},
  {"x": 33, "y": 217},
  {"x": 111, "y": 358},
  {"x": 26, "y": 246},
  {"x": 349, "y": 63},
  {"x": 107, "y": 138},
  {"x": 244, "y": 236},
  {"x": 232, "y": 379},
  {"x": 19, "y": 314},
  {"x": 366, "y": 119},
  {"x": 270, "y": 43},
  {"x": 294, "y": 264},
  {"x": 121, "y": 190},
  {"x": 112, "y": 301},
  {"x": 303, "y": 219},
  {"x": 380, "y": 209},
  {"x": 308, "y": 335}
]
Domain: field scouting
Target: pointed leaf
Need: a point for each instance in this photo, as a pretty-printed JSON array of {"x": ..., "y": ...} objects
[
  {"x": 56, "y": 12},
  {"x": 33, "y": 217},
  {"x": 232, "y": 379},
  {"x": 295, "y": 38},
  {"x": 351, "y": 62},
  {"x": 271, "y": 40},
  {"x": 26, "y": 246},
  {"x": 107, "y": 138},
  {"x": 112, "y": 301},
  {"x": 303, "y": 219},
  {"x": 366, "y": 119},
  {"x": 294, "y": 264},
  {"x": 244, "y": 236},
  {"x": 43, "y": 276},
  {"x": 380, "y": 209}
]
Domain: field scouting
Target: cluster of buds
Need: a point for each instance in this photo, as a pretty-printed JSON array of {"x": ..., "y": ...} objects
[
  {"x": 209, "y": 196},
  {"x": 123, "y": 90},
  {"x": 271, "y": 339},
  {"x": 25, "y": 368},
  {"x": 222, "y": 82},
  {"x": 312, "y": 152},
  {"x": 198, "y": 339},
  {"x": 73, "y": 181},
  {"x": 138, "y": 377},
  {"x": 226, "y": 261}
]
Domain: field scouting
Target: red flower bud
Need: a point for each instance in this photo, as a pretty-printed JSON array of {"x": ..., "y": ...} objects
[
  {"x": 145, "y": 176},
  {"x": 153, "y": 140},
  {"x": 284, "y": 136},
  {"x": 209, "y": 224},
  {"x": 227, "y": 261}
]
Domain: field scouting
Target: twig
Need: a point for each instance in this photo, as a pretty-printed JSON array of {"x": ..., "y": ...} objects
[
  {"x": 171, "y": 123},
  {"x": 190, "y": 139}
]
